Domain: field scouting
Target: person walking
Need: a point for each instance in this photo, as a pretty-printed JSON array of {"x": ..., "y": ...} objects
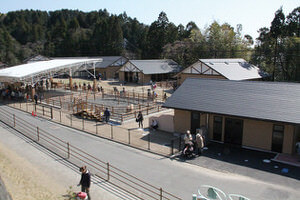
[
  {"x": 199, "y": 143},
  {"x": 85, "y": 181},
  {"x": 107, "y": 115},
  {"x": 140, "y": 119}
]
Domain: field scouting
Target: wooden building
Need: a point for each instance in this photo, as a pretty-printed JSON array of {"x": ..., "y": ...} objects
[
  {"x": 230, "y": 69},
  {"x": 252, "y": 114},
  {"x": 145, "y": 71}
]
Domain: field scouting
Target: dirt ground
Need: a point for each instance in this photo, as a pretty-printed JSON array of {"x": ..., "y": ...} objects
[{"x": 25, "y": 181}]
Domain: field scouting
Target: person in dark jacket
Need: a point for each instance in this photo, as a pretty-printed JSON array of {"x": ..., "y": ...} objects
[
  {"x": 106, "y": 114},
  {"x": 85, "y": 181},
  {"x": 140, "y": 119}
]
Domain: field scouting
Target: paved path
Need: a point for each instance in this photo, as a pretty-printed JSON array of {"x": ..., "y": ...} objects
[{"x": 180, "y": 178}]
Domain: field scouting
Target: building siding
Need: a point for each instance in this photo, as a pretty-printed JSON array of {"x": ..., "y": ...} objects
[
  {"x": 256, "y": 133},
  {"x": 183, "y": 76},
  {"x": 182, "y": 121}
]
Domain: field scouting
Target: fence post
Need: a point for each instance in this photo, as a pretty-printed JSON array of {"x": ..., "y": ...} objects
[
  {"x": 71, "y": 120},
  {"x": 20, "y": 105},
  {"x": 107, "y": 171},
  {"x": 35, "y": 107},
  {"x": 161, "y": 194},
  {"x": 68, "y": 147},
  {"x": 111, "y": 132},
  {"x": 26, "y": 106},
  {"x": 172, "y": 147},
  {"x": 51, "y": 112},
  {"x": 38, "y": 133},
  {"x": 149, "y": 141},
  {"x": 96, "y": 127},
  {"x": 14, "y": 116},
  {"x": 60, "y": 116},
  {"x": 179, "y": 146},
  {"x": 43, "y": 110},
  {"x": 83, "y": 124},
  {"x": 128, "y": 136},
  {"x": 121, "y": 118}
]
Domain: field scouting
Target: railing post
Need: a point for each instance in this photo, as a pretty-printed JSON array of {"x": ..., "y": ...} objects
[
  {"x": 161, "y": 194},
  {"x": 172, "y": 147},
  {"x": 14, "y": 116},
  {"x": 179, "y": 146},
  {"x": 111, "y": 132},
  {"x": 71, "y": 120},
  {"x": 96, "y": 128},
  {"x": 68, "y": 148},
  {"x": 60, "y": 116},
  {"x": 51, "y": 109},
  {"x": 149, "y": 141},
  {"x": 128, "y": 136},
  {"x": 43, "y": 111},
  {"x": 83, "y": 124},
  {"x": 108, "y": 172},
  {"x": 38, "y": 133}
]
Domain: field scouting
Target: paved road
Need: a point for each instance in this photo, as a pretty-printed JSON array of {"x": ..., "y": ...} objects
[{"x": 177, "y": 177}]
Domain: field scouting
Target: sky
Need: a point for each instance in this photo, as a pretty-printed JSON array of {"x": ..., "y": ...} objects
[{"x": 252, "y": 14}]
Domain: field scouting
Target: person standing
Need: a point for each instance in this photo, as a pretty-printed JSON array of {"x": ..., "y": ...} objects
[
  {"x": 140, "y": 119},
  {"x": 85, "y": 181},
  {"x": 107, "y": 115},
  {"x": 199, "y": 143}
]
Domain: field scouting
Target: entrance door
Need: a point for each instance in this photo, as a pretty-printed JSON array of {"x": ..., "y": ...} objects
[
  {"x": 277, "y": 138},
  {"x": 233, "y": 131},
  {"x": 195, "y": 121},
  {"x": 217, "y": 131}
]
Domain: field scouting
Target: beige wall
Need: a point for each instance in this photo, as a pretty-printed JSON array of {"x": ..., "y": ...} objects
[
  {"x": 288, "y": 139},
  {"x": 182, "y": 121},
  {"x": 257, "y": 134},
  {"x": 183, "y": 76},
  {"x": 108, "y": 71},
  {"x": 121, "y": 76},
  {"x": 145, "y": 78},
  {"x": 165, "y": 121}
]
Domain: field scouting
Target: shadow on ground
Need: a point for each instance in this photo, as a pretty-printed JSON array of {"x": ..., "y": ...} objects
[{"x": 222, "y": 157}]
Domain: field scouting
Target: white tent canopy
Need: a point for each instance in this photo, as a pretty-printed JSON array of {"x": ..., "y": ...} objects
[{"x": 33, "y": 72}]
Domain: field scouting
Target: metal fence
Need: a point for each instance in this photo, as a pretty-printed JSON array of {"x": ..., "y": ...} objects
[
  {"x": 104, "y": 170},
  {"x": 165, "y": 145}
]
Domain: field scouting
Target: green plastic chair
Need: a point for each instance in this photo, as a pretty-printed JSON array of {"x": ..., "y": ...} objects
[{"x": 240, "y": 197}]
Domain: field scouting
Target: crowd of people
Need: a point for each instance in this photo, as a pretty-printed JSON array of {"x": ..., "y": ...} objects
[{"x": 192, "y": 146}]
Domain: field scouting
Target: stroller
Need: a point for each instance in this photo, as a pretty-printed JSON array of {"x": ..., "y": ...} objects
[{"x": 188, "y": 150}]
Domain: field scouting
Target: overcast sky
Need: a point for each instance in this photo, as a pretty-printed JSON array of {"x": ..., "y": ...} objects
[{"x": 252, "y": 14}]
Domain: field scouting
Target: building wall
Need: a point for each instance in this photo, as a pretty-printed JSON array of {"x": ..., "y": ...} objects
[
  {"x": 256, "y": 133},
  {"x": 182, "y": 121},
  {"x": 121, "y": 76},
  {"x": 108, "y": 71},
  {"x": 183, "y": 76},
  {"x": 288, "y": 139},
  {"x": 145, "y": 78},
  {"x": 165, "y": 121}
]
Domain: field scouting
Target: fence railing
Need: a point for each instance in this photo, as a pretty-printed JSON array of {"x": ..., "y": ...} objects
[
  {"x": 165, "y": 145},
  {"x": 104, "y": 170}
]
